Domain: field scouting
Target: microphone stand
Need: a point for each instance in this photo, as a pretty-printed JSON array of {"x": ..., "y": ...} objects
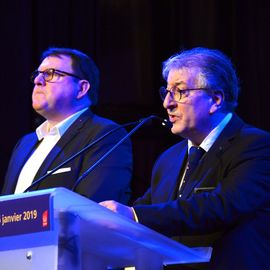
[
  {"x": 39, "y": 180},
  {"x": 141, "y": 122}
]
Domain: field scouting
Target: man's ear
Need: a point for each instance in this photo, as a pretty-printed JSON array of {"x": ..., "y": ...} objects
[
  {"x": 84, "y": 87},
  {"x": 217, "y": 100}
]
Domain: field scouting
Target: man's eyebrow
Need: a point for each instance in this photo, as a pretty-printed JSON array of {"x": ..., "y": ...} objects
[{"x": 180, "y": 83}]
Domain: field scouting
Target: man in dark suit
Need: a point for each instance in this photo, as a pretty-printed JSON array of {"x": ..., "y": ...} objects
[
  {"x": 65, "y": 86},
  {"x": 222, "y": 199}
]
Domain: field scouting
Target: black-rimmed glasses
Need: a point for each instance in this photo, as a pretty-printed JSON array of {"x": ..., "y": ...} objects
[
  {"x": 177, "y": 94},
  {"x": 49, "y": 74}
]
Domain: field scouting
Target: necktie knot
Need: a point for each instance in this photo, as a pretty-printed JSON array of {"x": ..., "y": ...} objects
[{"x": 194, "y": 156}]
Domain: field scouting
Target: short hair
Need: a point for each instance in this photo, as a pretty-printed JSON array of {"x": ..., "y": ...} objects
[
  {"x": 83, "y": 66},
  {"x": 217, "y": 71}
]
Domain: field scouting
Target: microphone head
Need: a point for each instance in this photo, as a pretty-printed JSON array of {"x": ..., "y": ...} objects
[
  {"x": 167, "y": 123},
  {"x": 164, "y": 122}
]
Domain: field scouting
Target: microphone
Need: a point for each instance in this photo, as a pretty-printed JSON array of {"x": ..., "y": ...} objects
[
  {"x": 164, "y": 122},
  {"x": 88, "y": 146},
  {"x": 36, "y": 182}
]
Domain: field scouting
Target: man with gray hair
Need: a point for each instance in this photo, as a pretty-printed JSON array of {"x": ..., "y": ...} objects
[{"x": 213, "y": 187}]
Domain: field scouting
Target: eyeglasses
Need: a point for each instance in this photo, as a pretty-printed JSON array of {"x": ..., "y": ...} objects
[
  {"x": 177, "y": 94},
  {"x": 50, "y": 73}
]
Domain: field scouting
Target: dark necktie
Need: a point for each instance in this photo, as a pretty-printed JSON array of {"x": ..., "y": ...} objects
[{"x": 194, "y": 156}]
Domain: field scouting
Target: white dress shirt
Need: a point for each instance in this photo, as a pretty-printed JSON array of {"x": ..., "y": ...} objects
[{"x": 48, "y": 137}]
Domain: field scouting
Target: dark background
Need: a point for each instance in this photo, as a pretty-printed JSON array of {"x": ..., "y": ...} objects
[{"x": 129, "y": 39}]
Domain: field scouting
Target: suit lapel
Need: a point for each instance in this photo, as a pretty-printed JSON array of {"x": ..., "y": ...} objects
[
  {"x": 173, "y": 172},
  {"x": 57, "y": 151},
  {"x": 28, "y": 144},
  {"x": 212, "y": 157}
]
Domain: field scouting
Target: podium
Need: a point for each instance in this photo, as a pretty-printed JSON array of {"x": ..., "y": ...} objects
[{"x": 57, "y": 229}]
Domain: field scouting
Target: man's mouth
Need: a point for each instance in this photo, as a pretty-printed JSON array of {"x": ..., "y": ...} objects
[{"x": 172, "y": 118}]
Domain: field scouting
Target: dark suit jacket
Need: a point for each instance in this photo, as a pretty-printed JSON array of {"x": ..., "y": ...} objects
[
  {"x": 110, "y": 180},
  {"x": 225, "y": 204}
]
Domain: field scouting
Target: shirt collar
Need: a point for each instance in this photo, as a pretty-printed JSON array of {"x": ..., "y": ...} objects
[
  {"x": 212, "y": 136},
  {"x": 59, "y": 129}
]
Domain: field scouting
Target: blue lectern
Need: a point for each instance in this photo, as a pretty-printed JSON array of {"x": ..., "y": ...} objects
[{"x": 56, "y": 229}]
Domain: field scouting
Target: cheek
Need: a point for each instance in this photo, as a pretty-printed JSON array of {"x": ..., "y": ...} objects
[
  {"x": 191, "y": 116},
  {"x": 202, "y": 106},
  {"x": 67, "y": 91}
]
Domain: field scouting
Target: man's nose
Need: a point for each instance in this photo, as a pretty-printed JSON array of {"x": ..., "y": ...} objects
[
  {"x": 169, "y": 101},
  {"x": 39, "y": 80}
]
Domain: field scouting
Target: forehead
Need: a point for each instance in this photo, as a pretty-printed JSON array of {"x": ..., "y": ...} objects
[
  {"x": 61, "y": 62},
  {"x": 185, "y": 76}
]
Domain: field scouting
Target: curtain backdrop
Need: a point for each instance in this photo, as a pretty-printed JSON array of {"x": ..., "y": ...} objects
[{"x": 129, "y": 39}]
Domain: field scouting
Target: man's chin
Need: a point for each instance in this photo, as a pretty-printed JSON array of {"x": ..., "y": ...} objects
[
  {"x": 176, "y": 130},
  {"x": 179, "y": 130},
  {"x": 37, "y": 106},
  {"x": 38, "y": 109}
]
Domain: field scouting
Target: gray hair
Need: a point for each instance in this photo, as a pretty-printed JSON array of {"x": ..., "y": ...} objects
[{"x": 217, "y": 71}]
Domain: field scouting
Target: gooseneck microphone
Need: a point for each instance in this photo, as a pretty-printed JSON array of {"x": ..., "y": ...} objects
[
  {"x": 141, "y": 123},
  {"x": 88, "y": 146}
]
